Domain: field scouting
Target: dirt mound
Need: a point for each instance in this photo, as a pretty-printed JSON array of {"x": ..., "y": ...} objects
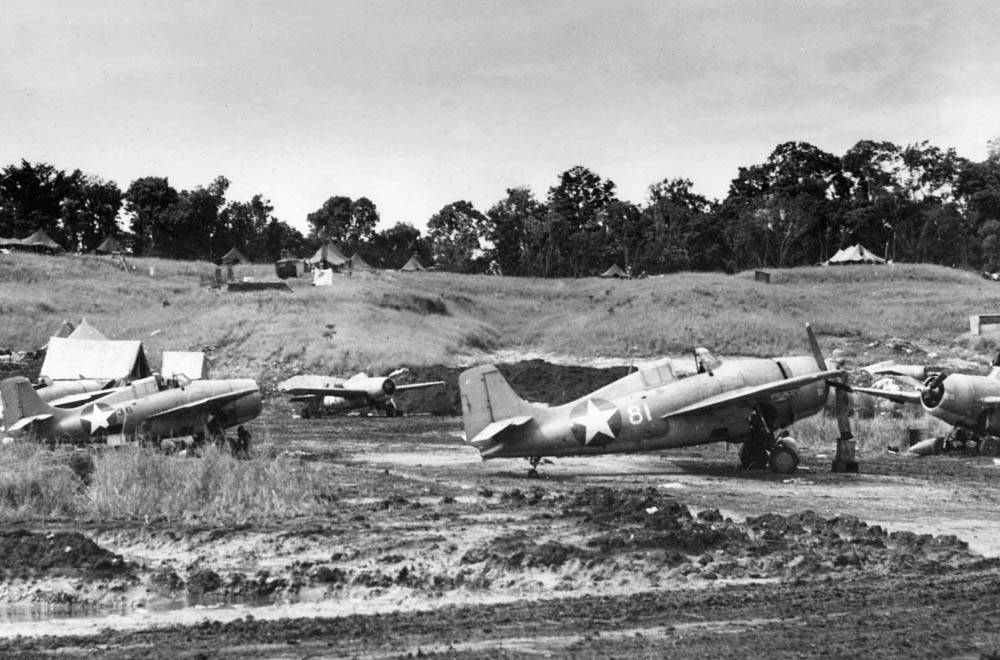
[
  {"x": 533, "y": 380},
  {"x": 27, "y": 554}
]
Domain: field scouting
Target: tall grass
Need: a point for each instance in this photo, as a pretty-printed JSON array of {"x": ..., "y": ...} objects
[
  {"x": 381, "y": 321},
  {"x": 143, "y": 485}
]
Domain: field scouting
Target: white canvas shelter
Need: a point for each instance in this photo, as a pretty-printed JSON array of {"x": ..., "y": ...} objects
[
  {"x": 329, "y": 253},
  {"x": 614, "y": 271},
  {"x": 73, "y": 359},
  {"x": 855, "y": 254},
  {"x": 87, "y": 331},
  {"x": 413, "y": 264},
  {"x": 323, "y": 277},
  {"x": 184, "y": 363}
]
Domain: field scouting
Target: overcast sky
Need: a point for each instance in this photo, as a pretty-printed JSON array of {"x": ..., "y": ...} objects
[{"x": 419, "y": 104}]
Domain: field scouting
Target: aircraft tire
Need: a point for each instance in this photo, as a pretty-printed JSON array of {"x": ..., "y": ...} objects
[
  {"x": 989, "y": 446},
  {"x": 784, "y": 459}
]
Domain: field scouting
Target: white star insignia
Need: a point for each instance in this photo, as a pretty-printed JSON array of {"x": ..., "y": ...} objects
[
  {"x": 98, "y": 418},
  {"x": 596, "y": 421}
]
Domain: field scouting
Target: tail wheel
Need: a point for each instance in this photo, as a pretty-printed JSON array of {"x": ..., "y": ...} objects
[{"x": 989, "y": 446}]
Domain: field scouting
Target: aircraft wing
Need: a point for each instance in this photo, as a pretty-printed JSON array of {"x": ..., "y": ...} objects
[
  {"x": 218, "y": 399},
  {"x": 76, "y": 400},
  {"x": 493, "y": 429},
  {"x": 419, "y": 386},
  {"x": 324, "y": 391},
  {"x": 749, "y": 393},
  {"x": 911, "y": 396}
]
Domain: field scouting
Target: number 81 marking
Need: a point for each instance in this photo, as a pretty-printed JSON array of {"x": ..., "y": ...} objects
[{"x": 639, "y": 414}]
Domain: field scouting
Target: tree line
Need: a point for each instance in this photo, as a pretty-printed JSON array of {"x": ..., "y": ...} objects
[{"x": 917, "y": 203}]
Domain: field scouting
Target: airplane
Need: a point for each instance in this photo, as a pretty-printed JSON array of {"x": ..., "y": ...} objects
[
  {"x": 147, "y": 409},
  {"x": 325, "y": 394},
  {"x": 73, "y": 393},
  {"x": 967, "y": 402},
  {"x": 652, "y": 409}
]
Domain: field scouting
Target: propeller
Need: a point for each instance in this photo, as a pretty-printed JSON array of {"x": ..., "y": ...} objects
[{"x": 933, "y": 390}]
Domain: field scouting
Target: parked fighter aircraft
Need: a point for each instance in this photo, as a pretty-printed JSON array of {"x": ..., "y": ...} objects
[
  {"x": 144, "y": 409},
  {"x": 969, "y": 403},
  {"x": 325, "y": 394},
  {"x": 72, "y": 393},
  {"x": 651, "y": 409}
]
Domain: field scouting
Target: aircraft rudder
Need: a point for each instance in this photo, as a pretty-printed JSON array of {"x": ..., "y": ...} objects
[
  {"x": 20, "y": 400},
  {"x": 486, "y": 397}
]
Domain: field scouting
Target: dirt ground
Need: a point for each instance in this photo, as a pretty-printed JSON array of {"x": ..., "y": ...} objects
[{"x": 427, "y": 551}]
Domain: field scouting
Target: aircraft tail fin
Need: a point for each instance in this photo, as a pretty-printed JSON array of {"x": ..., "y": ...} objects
[
  {"x": 487, "y": 399},
  {"x": 21, "y": 404},
  {"x": 814, "y": 348}
]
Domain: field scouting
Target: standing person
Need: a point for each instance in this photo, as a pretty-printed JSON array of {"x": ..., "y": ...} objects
[{"x": 243, "y": 437}]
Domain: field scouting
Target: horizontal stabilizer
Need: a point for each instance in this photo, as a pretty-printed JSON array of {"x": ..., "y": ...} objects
[
  {"x": 911, "y": 396},
  {"x": 24, "y": 422},
  {"x": 494, "y": 429},
  {"x": 752, "y": 393}
]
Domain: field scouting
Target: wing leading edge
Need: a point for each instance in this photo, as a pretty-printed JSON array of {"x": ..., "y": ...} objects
[{"x": 744, "y": 393}]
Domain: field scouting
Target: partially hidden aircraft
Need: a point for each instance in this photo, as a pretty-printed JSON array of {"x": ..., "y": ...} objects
[
  {"x": 147, "y": 409},
  {"x": 72, "y": 393},
  {"x": 970, "y": 403},
  {"x": 322, "y": 394},
  {"x": 741, "y": 401}
]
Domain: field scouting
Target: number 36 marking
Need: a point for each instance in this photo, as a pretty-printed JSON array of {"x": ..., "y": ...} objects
[{"x": 639, "y": 414}]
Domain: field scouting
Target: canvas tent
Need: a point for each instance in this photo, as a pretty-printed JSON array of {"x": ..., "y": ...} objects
[
  {"x": 330, "y": 254},
  {"x": 614, "y": 271},
  {"x": 856, "y": 254},
  {"x": 65, "y": 329},
  {"x": 358, "y": 263},
  {"x": 234, "y": 256},
  {"x": 186, "y": 363},
  {"x": 40, "y": 241},
  {"x": 413, "y": 264},
  {"x": 73, "y": 359},
  {"x": 107, "y": 246},
  {"x": 86, "y": 331}
]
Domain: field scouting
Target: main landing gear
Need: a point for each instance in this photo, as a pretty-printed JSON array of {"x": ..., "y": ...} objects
[
  {"x": 534, "y": 460},
  {"x": 762, "y": 450}
]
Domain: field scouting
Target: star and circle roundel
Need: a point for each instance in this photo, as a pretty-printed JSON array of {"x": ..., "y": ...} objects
[
  {"x": 595, "y": 422},
  {"x": 95, "y": 417}
]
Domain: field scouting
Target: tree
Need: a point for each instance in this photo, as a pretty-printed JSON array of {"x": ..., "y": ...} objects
[
  {"x": 344, "y": 221},
  {"x": 508, "y": 228},
  {"x": 392, "y": 247},
  {"x": 454, "y": 232},
  {"x": 149, "y": 200},
  {"x": 31, "y": 198},
  {"x": 89, "y": 211},
  {"x": 575, "y": 232}
]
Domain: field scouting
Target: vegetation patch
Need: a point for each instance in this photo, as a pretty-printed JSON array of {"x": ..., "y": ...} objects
[{"x": 414, "y": 303}]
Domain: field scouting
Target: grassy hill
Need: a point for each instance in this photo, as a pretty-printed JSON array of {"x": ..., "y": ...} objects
[{"x": 381, "y": 321}]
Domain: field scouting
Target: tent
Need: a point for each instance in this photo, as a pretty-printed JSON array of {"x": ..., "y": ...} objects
[
  {"x": 65, "y": 329},
  {"x": 186, "y": 363},
  {"x": 614, "y": 271},
  {"x": 329, "y": 253},
  {"x": 413, "y": 264},
  {"x": 322, "y": 277},
  {"x": 108, "y": 245},
  {"x": 856, "y": 254},
  {"x": 234, "y": 256},
  {"x": 358, "y": 263},
  {"x": 40, "y": 241},
  {"x": 87, "y": 331},
  {"x": 73, "y": 359}
]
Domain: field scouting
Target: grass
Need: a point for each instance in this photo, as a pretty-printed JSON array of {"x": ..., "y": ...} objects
[
  {"x": 144, "y": 485},
  {"x": 379, "y": 322}
]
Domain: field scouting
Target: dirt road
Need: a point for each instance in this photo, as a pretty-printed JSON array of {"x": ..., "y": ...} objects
[{"x": 425, "y": 549}]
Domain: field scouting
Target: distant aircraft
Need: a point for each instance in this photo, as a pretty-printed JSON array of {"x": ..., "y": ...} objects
[
  {"x": 146, "y": 409},
  {"x": 969, "y": 403},
  {"x": 325, "y": 394},
  {"x": 651, "y": 409}
]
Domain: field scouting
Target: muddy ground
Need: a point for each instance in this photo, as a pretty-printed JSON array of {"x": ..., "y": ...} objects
[{"x": 426, "y": 551}]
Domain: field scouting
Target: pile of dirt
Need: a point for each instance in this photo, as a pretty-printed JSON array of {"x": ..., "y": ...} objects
[
  {"x": 650, "y": 526},
  {"x": 25, "y": 554},
  {"x": 533, "y": 380}
]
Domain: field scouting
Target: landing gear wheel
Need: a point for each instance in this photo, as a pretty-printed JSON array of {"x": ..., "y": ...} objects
[
  {"x": 784, "y": 459},
  {"x": 989, "y": 446},
  {"x": 534, "y": 460}
]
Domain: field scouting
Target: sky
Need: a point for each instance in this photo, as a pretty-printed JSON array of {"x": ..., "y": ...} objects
[{"x": 419, "y": 104}]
